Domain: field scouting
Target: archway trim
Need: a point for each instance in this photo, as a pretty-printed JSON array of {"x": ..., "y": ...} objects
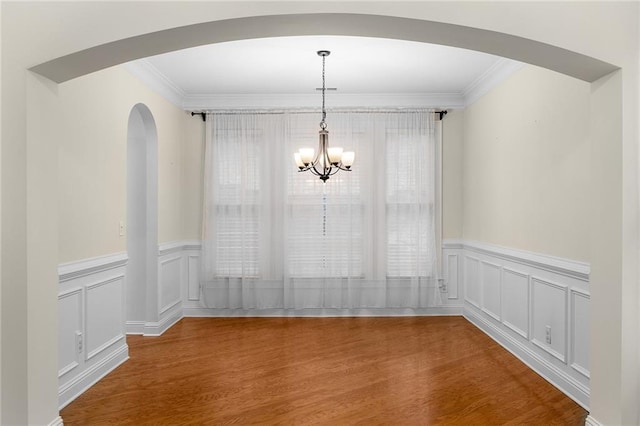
[{"x": 518, "y": 48}]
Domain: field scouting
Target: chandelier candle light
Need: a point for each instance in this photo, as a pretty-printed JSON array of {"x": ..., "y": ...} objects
[{"x": 327, "y": 161}]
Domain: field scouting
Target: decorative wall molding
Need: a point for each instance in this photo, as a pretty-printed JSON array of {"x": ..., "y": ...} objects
[
  {"x": 571, "y": 268},
  {"x": 193, "y": 277},
  {"x": 553, "y": 300},
  {"x": 579, "y": 356},
  {"x": 174, "y": 259},
  {"x": 536, "y": 306},
  {"x": 516, "y": 287},
  {"x": 178, "y": 246},
  {"x": 169, "y": 281},
  {"x": 451, "y": 275},
  {"x": 91, "y": 328},
  {"x": 72, "y": 270},
  {"x": 496, "y": 288},
  {"x": 161, "y": 84},
  {"x": 471, "y": 274},
  {"x": 491, "y": 296}
]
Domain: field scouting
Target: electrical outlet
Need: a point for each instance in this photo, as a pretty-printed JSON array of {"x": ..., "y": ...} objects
[
  {"x": 548, "y": 334},
  {"x": 442, "y": 284},
  {"x": 79, "y": 341},
  {"x": 121, "y": 228}
]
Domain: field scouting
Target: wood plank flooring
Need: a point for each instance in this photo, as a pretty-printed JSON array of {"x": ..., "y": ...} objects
[{"x": 322, "y": 371}]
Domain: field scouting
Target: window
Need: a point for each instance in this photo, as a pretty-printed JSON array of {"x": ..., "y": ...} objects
[{"x": 278, "y": 237}]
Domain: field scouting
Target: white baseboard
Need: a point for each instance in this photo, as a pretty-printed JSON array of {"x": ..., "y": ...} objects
[
  {"x": 386, "y": 312},
  {"x": 56, "y": 422},
  {"x": 135, "y": 327},
  {"x": 590, "y": 421},
  {"x": 555, "y": 376},
  {"x": 91, "y": 375},
  {"x": 157, "y": 328}
]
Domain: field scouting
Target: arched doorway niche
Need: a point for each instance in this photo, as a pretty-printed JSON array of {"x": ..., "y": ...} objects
[{"x": 142, "y": 219}]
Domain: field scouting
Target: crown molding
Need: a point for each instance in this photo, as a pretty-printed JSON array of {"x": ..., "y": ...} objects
[
  {"x": 155, "y": 80},
  {"x": 337, "y": 100},
  {"x": 161, "y": 84},
  {"x": 501, "y": 70}
]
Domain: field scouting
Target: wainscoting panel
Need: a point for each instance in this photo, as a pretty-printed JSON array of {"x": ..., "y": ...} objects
[
  {"x": 491, "y": 281},
  {"x": 104, "y": 315},
  {"x": 549, "y": 317},
  {"x": 174, "y": 270},
  {"x": 536, "y": 306},
  {"x": 451, "y": 276},
  {"x": 91, "y": 312},
  {"x": 91, "y": 327},
  {"x": 472, "y": 290},
  {"x": 70, "y": 324},
  {"x": 169, "y": 277},
  {"x": 579, "y": 325},
  {"x": 193, "y": 277},
  {"x": 515, "y": 290}
]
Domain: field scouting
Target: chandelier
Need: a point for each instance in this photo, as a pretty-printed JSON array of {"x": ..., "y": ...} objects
[{"x": 327, "y": 161}]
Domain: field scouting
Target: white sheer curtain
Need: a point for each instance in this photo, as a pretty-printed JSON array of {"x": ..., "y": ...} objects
[{"x": 278, "y": 239}]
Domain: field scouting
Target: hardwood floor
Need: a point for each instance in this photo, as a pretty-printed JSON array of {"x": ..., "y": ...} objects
[{"x": 329, "y": 371}]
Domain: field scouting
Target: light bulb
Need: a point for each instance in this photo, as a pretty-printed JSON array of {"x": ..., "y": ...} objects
[{"x": 299, "y": 162}]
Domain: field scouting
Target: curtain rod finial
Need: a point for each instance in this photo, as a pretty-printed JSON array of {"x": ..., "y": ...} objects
[{"x": 201, "y": 114}]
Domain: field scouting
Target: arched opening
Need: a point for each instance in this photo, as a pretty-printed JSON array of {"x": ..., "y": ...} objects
[
  {"x": 142, "y": 219},
  {"x": 604, "y": 94},
  {"x": 347, "y": 24}
]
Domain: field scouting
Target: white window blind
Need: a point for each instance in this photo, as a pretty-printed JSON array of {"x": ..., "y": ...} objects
[{"x": 237, "y": 201}]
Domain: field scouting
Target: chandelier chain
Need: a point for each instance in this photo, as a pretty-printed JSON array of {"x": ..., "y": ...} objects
[{"x": 324, "y": 112}]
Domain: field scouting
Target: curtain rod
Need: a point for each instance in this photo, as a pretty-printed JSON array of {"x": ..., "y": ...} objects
[{"x": 203, "y": 114}]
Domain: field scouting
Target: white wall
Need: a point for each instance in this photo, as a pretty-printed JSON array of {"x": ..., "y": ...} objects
[
  {"x": 192, "y": 177},
  {"x": 93, "y": 166},
  {"x": 452, "y": 173},
  {"x": 527, "y": 160},
  {"x": 525, "y": 183},
  {"x": 35, "y": 32},
  {"x": 92, "y": 203}
]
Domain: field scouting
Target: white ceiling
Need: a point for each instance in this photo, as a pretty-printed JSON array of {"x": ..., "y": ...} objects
[{"x": 238, "y": 73}]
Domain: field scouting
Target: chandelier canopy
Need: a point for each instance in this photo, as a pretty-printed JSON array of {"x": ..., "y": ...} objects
[{"x": 327, "y": 161}]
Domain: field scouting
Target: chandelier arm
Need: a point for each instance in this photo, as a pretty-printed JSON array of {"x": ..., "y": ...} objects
[
  {"x": 341, "y": 167},
  {"x": 325, "y": 171},
  {"x": 335, "y": 170}
]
